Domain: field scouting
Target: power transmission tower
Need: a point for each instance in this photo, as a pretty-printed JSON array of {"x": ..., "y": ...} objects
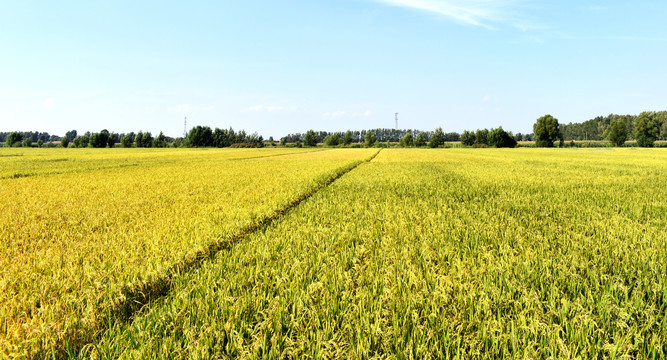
[
  {"x": 185, "y": 127},
  {"x": 396, "y": 119}
]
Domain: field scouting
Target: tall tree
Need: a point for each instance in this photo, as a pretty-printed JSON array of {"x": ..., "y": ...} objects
[
  {"x": 333, "y": 139},
  {"x": 547, "y": 130},
  {"x": 370, "y": 138},
  {"x": 437, "y": 139},
  {"x": 407, "y": 140},
  {"x": 112, "y": 140},
  {"x": 200, "y": 136},
  {"x": 14, "y": 138},
  {"x": 617, "y": 133},
  {"x": 71, "y": 135},
  {"x": 420, "y": 140},
  {"x": 347, "y": 138},
  {"x": 468, "y": 138},
  {"x": 647, "y": 128},
  {"x": 100, "y": 139},
  {"x": 139, "y": 139},
  {"x": 500, "y": 138},
  {"x": 160, "y": 141},
  {"x": 310, "y": 139},
  {"x": 481, "y": 137},
  {"x": 126, "y": 141}
]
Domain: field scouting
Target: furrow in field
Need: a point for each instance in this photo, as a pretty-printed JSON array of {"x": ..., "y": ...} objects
[
  {"x": 436, "y": 254},
  {"x": 78, "y": 247},
  {"x": 135, "y": 296}
]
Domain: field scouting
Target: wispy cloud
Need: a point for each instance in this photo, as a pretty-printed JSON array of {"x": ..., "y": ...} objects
[
  {"x": 484, "y": 13},
  {"x": 344, "y": 114},
  {"x": 334, "y": 114},
  {"x": 180, "y": 108},
  {"x": 268, "y": 108},
  {"x": 49, "y": 102}
]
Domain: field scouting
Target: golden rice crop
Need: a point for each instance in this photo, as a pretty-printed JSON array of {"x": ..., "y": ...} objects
[
  {"x": 457, "y": 253},
  {"x": 81, "y": 227}
]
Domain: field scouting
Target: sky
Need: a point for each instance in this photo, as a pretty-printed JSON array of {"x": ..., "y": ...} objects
[{"x": 279, "y": 67}]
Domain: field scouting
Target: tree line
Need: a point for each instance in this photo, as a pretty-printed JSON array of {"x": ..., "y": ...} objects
[
  {"x": 359, "y": 136},
  {"x": 645, "y": 129},
  {"x": 198, "y": 136},
  {"x": 598, "y": 127}
]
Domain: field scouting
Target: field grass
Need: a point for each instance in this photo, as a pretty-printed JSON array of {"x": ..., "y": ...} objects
[{"x": 445, "y": 253}]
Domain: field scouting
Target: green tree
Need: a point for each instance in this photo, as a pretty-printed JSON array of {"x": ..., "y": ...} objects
[
  {"x": 662, "y": 118},
  {"x": 310, "y": 139},
  {"x": 139, "y": 139},
  {"x": 333, "y": 140},
  {"x": 160, "y": 141},
  {"x": 40, "y": 142},
  {"x": 437, "y": 139},
  {"x": 143, "y": 139},
  {"x": 112, "y": 140},
  {"x": 81, "y": 141},
  {"x": 147, "y": 139},
  {"x": 617, "y": 133},
  {"x": 14, "y": 138},
  {"x": 547, "y": 130},
  {"x": 481, "y": 137},
  {"x": 407, "y": 140},
  {"x": 370, "y": 138},
  {"x": 468, "y": 138},
  {"x": 71, "y": 135},
  {"x": 420, "y": 140},
  {"x": 64, "y": 142},
  {"x": 126, "y": 141},
  {"x": 100, "y": 139},
  {"x": 27, "y": 142},
  {"x": 501, "y": 139},
  {"x": 347, "y": 138},
  {"x": 647, "y": 128},
  {"x": 221, "y": 138}
]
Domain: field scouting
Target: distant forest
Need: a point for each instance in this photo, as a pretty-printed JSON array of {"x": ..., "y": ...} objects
[{"x": 593, "y": 129}]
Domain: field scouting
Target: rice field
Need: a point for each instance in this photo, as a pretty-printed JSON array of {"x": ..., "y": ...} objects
[{"x": 342, "y": 253}]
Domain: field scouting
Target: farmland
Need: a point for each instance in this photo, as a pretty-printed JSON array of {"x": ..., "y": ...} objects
[{"x": 410, "y": 253}]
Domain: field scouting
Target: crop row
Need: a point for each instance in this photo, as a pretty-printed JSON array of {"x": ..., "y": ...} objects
[
  {"x": 82, "y": 235},
  {"x": 437, "y": 254}
]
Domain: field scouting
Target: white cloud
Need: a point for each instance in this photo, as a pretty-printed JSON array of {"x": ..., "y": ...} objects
[
  {"x": 180, "y": 108},
  {"x": 473, "y": 12},
  {"x": 334, "y": 114},
  {"x": 486, "y": 98},
  {"x": 268, "y": 108},
  {"x": 368, "y": 113},
  {"x": 49, "y": 102}
]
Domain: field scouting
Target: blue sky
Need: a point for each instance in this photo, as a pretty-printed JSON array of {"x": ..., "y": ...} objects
[{"x": 279, "y": 67}]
